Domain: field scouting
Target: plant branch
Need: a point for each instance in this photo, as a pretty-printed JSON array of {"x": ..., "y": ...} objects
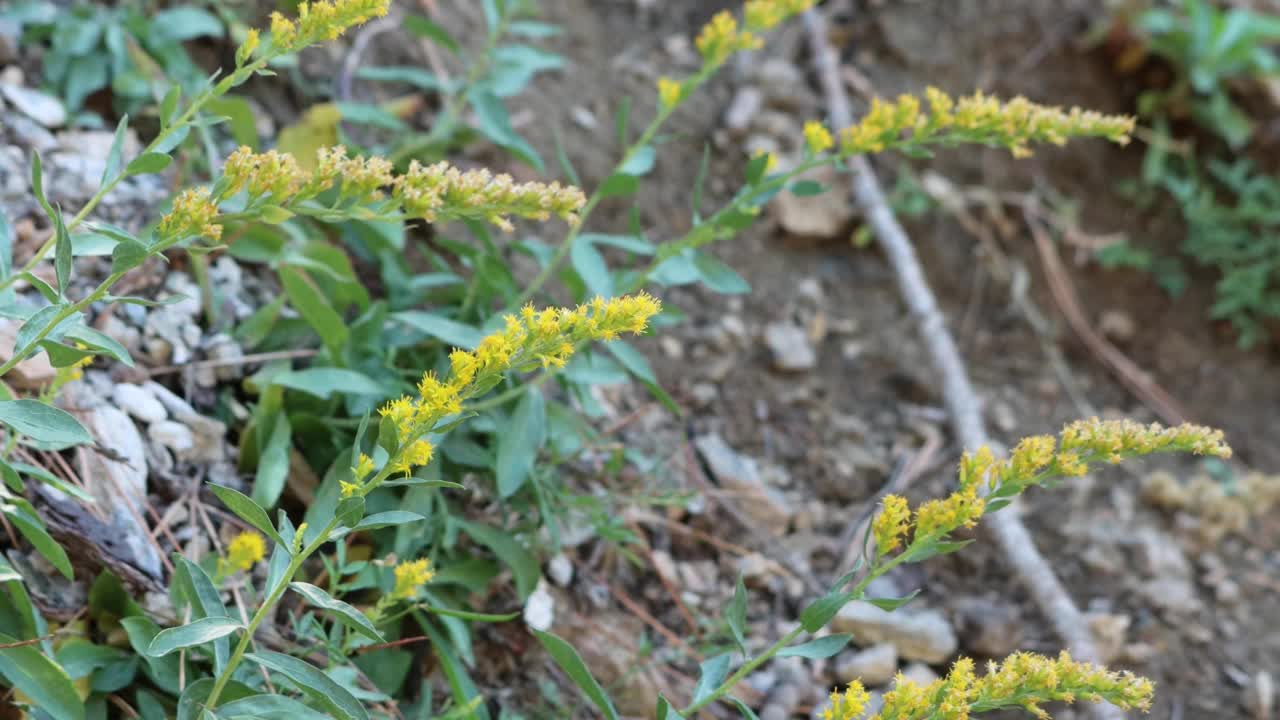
[{"x": 962, "y": 402}]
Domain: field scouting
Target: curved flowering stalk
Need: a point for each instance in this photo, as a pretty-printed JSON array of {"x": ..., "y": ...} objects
[
  {"x": 902, "y": 535},
  {"x": 1022, "y": 680},
  {"x": 532, "y": 339},
  {"x": 272, "y": 186},
  {"x": 316, "y": 21}
]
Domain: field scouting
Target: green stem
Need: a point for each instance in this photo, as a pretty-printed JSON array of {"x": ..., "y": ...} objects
[
  {"x": 66, "y": 312},
  {"x": 750, "y": 665},
  {"x": 264, "y": 610}
]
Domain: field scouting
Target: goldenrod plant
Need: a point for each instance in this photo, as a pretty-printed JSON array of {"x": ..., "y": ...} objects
[{"x": 396, "y": 399}]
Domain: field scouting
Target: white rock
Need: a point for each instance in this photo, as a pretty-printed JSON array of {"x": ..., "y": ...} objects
[
  {"x": 743, "y": 108},
  {"x": 561, "y": 569},
  {"x": 824, "y": 215},
  {"x": 919, "y": 673},
  {"x": 874, "y": 666},
  {"x": 923, "y": 635},
  {"x": 1260, "y": 696},
  {"x": 35, "y": 371},
  {"x": 139, "y": 402},
  {"x": 44, "y": 109},
  {"x": 173, "y": 435},
  {"x": 119, "y": 484},
  {"x": 790, "y": 347},
  {"x": 174, "y": 404},
  {"x": 540, "y": 608}
]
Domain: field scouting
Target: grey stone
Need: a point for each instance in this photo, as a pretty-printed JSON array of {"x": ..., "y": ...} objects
[
  {"x": 740, "y": 476},
  {"x": 138, "y": 402},
  {"x": 41, "y": 107},
  {"x": 875, "y": 665},
  {"x": 790, "y": 347},
  {"x": 173, "y": 435},
  {"x": 923, "y": 635}
]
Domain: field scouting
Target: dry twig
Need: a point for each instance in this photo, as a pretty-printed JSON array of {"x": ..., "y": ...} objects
[{"x": 962, "y": 402}]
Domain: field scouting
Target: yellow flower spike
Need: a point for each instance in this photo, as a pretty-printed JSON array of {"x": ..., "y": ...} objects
[
  {"x": 193, "y": 215},
  {"x": 244, "y": 550},
  {"x": 443, "y": 192},
  {"x": 349, "y": 489},
  {"x": 849, "y": 704},
  {"x": 247, "y": 48},
  {"x": 410, "y": 576},
  {"x": 1032, "y": 455},
  {"x": 817, "y": 138},
  {"x": 891, "y": 525},
  {"x": 670, "y": 92},
  {"x": 363, "y": 468},
  {"x": 322, "y": 20},
  {"x": 939, "y": 517}
]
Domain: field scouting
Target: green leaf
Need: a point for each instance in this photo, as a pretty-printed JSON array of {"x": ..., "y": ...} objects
[
  {"x": 524, "y": 566},
  {"x": 268, "y": 707},
  {"x": 571, "y": 663},
  {"x": 518, "y": 445},
  {"x": 113, "y": 155},
  {"x": 747, "y": 712},
  {"x": 37, "y": 184},
  {"x": 820, "y": 611},
  {"x": 618, "y": 185},
  {"x": 639, "y": 162},
  {"x": 148, "y": 163},
  {"x": 320, "y": 687},
  {"x": 32, "y": 327},
  {"x": 495, "y": 124},
  {"x": 169, "y": 105},
  {"x": 273, "y": 463},
  {"x": 664, "y": 711},
  {"x": 186, "y": 23},
  {"x": 99, "y": 341},
  {"x": 61, "y": 253},
  {"x": 388, "y": 519},
  {"x": 44, "y": 423},
  {"x": 166, "y": 671},
  {"x": 450, "y": 332},
  {"x": 468, "y": 615},
  {"x": 806, "y": 188},
  {"x": 892, "y": 604},
  {"x": 710, "y": 674},
  {"x": 736, "y": 614},
  {"x": 61, "y": 356},
  {"x": 591, "y": 267},
  {"x": 41, "y": 679},
  {"x": 197, "y": 587},
  {"x": 424, "y": 28},
  {"x": 240, "y": 119},
  {"x": 247, "y": 510},
  {"x": 823, "y": 647},
  {"x": 324, "y": 381},
  {"x": 126, "y": 256},
  {"x": 196, "y": 632},
  {"x": 307, "y": 298},
  {"x": 349, "y": 615},
  {"x": 718, "y": 276},
  {"x": 350, "y": 511},
  {"x": 6, "y": 247},
  {"x": 52, "y": 480},
  {"x": 23, "y": 517}
]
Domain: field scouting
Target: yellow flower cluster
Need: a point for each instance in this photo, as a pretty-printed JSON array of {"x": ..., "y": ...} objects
[
  {"x": 765, "y": 14},
  {"x": 243, "y": 551},
  {"x": 722, "y": 37},
  {"x": 1022, "y": 680},
  {"x": 849, "y": 704},
  {"x": 441, "y": 191},
  {"x": 410, "y": 576},
  {"x": 817, "y": 138},
  {"x": 976, "y": 118},
  {"x": 670, "y": 92},
  {"x": 534, "y": 337},
  {"x": 1032, "y": 461},
  {"x": 322, "y": 20},
  {"x": 193, "y": 215}
]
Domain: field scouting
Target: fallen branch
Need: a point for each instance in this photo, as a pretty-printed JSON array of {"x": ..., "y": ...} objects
[{"x": 961, "y": 400}]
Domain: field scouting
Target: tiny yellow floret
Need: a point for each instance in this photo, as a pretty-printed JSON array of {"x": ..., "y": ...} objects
[
  {"x": 244, "y": 550},
  {"x": 670, "y": 92},
  {"x": 410, "y": 576},
  {"x": 817, "y": 138}
]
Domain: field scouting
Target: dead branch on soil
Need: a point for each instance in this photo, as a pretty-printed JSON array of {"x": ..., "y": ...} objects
[{"x": 962, "y": 402}]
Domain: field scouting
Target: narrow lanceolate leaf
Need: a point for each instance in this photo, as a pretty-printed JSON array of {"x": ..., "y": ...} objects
[
  {"x": 247, "y": 510},
  {"x": 23, "y": 517},
  {"x": 736, "y": 614},
  {"x": 823, "y": 647},
  {"x": 349, "y": 615},
  {"x": 571, "y": 663},
  {"x": 117, "y": 147},
  {"x": 518, "y": 447},
  {"x": 711, "y": 673},
  {"x": 320, "y": 687},
  {"x": 39, "y": 678},
  {"x": 196, "y": 632},
  {"x": 61, "y": 252},
  {"x": 43, "y": 423}
]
